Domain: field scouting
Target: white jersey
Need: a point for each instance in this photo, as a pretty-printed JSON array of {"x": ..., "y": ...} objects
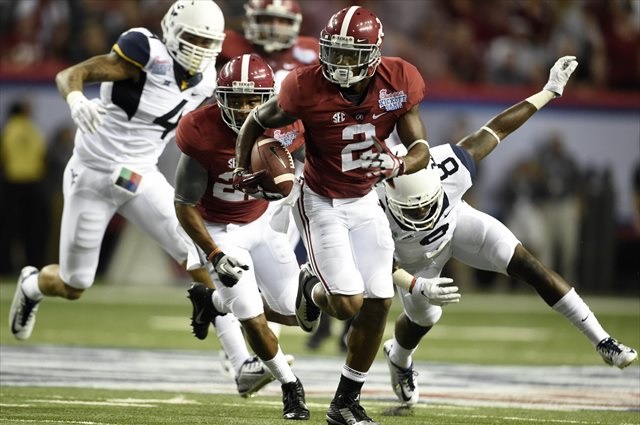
[
  {"x": 142, "y": 115},
  {"x": 457, "y": 172}
]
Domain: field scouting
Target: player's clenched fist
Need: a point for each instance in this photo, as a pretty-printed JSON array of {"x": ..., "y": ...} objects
[{"x": 560, "y": 73}]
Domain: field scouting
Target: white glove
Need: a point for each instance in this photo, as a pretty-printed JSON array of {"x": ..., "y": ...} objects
[
  {"x": 437, "y": 290},
  {"x": 86, "y": 114},
  {"x": 228, "y": 268},
  {"x": 384, "y": 164},
  {"x": 560, "y": 73}
]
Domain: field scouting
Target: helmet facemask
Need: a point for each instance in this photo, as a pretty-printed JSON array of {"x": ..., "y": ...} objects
[
  {"x": 237, "y": 102},
  {"x": 244, "y": 83},
  {"x": 274, "y": 27},
  {"x": 193, "y": 33},
  {"x": 346, "y": 63},
  {"x": 415, "y": 200}
]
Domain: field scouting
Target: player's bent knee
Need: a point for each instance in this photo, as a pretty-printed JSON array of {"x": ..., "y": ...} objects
[{"x": 427, "y": 318}]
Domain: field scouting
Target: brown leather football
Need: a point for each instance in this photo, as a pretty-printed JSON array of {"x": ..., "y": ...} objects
[{"x": 270, "y": 155}]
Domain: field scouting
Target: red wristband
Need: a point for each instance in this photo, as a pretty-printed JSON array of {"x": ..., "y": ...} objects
[{"x": 213, "y": 253}]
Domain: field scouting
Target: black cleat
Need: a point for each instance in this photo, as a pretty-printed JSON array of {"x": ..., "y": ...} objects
[
  {"x": 345, "y": 409},
  {"x": 307, "y": 313},
  {"x": 203, "y": 313},
  {"x": 295, "y": 407}
]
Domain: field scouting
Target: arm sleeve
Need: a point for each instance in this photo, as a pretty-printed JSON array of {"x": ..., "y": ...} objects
[
  {"x": 191, "y": 181},
  {"x": 133, "y": 46},
  {"x": 187, "y": 134},
  {"x": 465, "y": 159},
  {"x": 416, "y": 84},
  {"x": 289, "y": 95}
]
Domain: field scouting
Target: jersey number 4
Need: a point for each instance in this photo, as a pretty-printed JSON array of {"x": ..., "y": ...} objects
[{"x": 164, "y": 122}]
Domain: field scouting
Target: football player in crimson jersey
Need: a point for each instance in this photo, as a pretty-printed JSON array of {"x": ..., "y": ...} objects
[
  {"x": 147, "y": 84},
  {"x": 250, "y": 260},
  {"x": 271, "y": 29},
  {"x": 349, "y": 102},
  {"x": 431, "y": 223}
]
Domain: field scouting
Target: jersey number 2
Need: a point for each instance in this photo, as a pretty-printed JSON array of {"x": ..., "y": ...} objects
[{"x": 351, "y": 152}]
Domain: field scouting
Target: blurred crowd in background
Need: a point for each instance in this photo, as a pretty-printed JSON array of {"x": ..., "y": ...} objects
[
  {"x": 562, "y": 212},
  {"x": 451, "y": 41}
]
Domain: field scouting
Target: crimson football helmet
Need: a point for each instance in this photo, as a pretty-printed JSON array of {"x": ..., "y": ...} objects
[
  {"x": 245, "y": 82},
  {"x": 415, "y": 200},
  {"x": 350, "y": 46},
  {"x": 193, "y": 32},
  {"x": 272, "y": 24}
]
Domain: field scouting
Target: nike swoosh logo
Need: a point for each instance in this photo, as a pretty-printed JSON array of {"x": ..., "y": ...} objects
[
  {"x": 376, "y": 116},
  {"x": 274, "y": 152},
  {"x": 585, "y": 317}
]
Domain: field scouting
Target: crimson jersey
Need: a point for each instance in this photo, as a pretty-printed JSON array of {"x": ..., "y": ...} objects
[
  {"x": 337, "y": 131},
  {"x": 204, "y": 136},
  {"x": 304, "y": 52}
]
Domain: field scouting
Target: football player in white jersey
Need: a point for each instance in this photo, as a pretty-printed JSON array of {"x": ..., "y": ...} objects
[
  {"x": 430, "y": 224},
  {"x": 147, "y": 84}
]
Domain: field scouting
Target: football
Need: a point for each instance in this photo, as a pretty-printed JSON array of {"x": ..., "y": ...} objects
[{"x": 270, "y": 155}]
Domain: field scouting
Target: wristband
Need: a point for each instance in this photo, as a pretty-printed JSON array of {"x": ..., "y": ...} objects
[
  {"x": 491, "y": 132},
  {"x": 404, "y": 280},
  {"x": 73, "y": 97},
  {"x": 424, "y": 142},
  {"x": 541, "y": 98},
  {"x": 213, "y": 253}
]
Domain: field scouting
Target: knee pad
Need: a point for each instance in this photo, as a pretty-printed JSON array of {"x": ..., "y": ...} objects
[{"x": 426, "y": 317}]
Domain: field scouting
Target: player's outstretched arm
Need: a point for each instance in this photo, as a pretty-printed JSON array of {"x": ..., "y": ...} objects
[
  {"x": 484, "y": 140},
  {"x": 70, "y": 81}
]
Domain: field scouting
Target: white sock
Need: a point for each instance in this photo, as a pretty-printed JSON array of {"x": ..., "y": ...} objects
[
  {"x": 280, "y": 368},
  {"x": 31, "y": 289},
  {"x": 313, "y": 290},
  {"x": 577, "y": 312},
  {"x": 353, "y": 374},
  {"x": 400, "y": 356},
  {"x": 276, "y": 328},
  {"x": 232, "y": 340}
]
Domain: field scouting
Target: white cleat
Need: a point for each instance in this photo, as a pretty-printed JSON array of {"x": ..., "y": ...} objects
[
  {"x": 22, "y": 314},
  {"x": 403, "y": 381},
  {"x": 616, "y": 354},
  {"x": 252, "y": 376}
]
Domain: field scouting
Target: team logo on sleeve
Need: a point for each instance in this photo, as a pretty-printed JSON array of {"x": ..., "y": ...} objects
[
  {"x": 391, "y": 101},
  {"x": 286, "y": 138},
  {"x": 160, "y": 66}
]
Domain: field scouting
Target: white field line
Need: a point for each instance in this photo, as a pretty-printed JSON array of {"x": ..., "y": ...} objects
[
  {"x": 561, "y": 388},
  {"x": 51, "y": 421}
]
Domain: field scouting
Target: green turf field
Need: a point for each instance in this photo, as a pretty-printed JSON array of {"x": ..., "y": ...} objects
[
  {"x": 493, "y": 329},
  {"x": 95, "y": 407}
]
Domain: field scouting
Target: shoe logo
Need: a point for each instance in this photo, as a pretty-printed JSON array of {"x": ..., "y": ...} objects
[
  {"x": 585, "y": 317},
  {"x": 376, "y": 116}
]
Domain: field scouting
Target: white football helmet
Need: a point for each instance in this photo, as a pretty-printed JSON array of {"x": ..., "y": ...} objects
[
  {"x": 193, "y": 31},
  {"x": 272, "y": 24},
  {"x": 415, "y": 200}
]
